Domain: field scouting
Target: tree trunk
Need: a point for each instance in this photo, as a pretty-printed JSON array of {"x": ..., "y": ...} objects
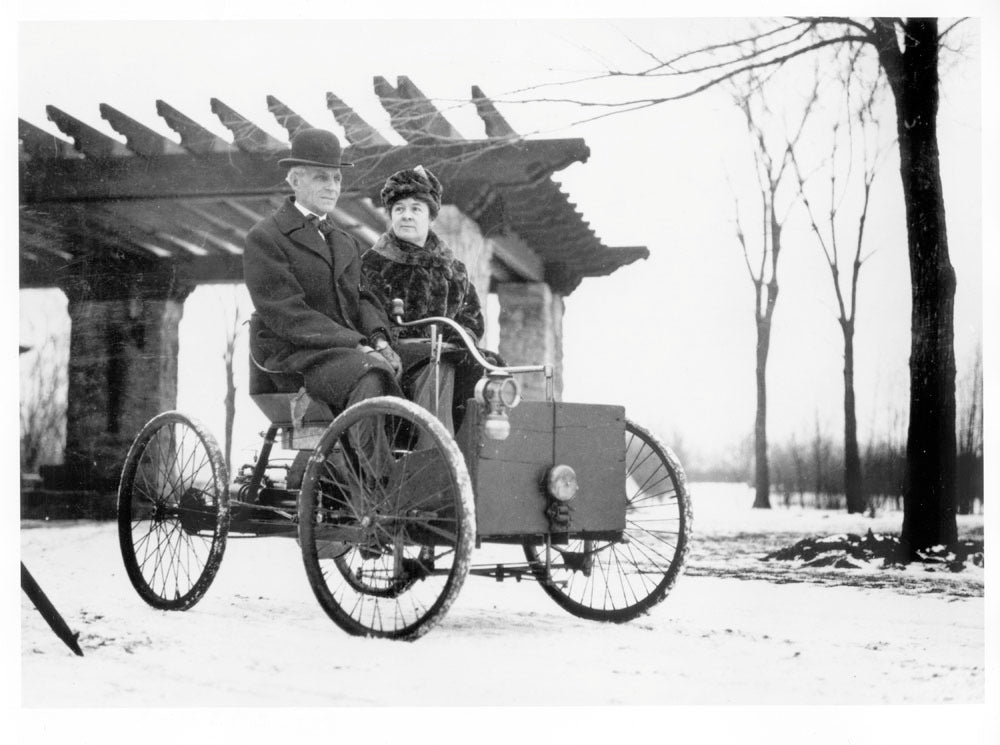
[
  {"x": 929, "y": 498},
  {"x": 762, "y": 497},
  {"x": 853, "y": 485},
  {"x": 230, "y": 403}
]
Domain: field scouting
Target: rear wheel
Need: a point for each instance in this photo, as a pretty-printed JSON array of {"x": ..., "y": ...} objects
[
  {"x": 173, "y": 511},
  {"x": 621, "y": 580},
  {"x": 386, "y": 520}
]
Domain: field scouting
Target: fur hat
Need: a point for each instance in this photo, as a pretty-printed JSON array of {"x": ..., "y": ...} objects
[
  {"x": 314, "y": 147},
  {"x": 418, "y": 183}
]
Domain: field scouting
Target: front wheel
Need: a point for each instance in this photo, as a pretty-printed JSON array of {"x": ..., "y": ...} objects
[
  {"x": 620, "y": 580},
  {"x": 386, "y": 520},
  {"x": 173, "y": 511}
]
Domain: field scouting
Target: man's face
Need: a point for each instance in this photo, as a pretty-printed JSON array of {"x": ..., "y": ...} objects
[{"x": 316, "y": 188}]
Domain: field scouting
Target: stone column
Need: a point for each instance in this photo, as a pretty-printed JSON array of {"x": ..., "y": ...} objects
[
  {"x": 464, "y": 238},
  {"x": 531, "y": 332},
  {"x": 122, "y": 369}
]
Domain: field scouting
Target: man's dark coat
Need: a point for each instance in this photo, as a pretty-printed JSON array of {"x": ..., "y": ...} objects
[{"x": 308, "y": 307}]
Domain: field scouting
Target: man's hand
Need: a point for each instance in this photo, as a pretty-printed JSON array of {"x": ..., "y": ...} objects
[
  {"x": 389, "y": 354},
  {"x": 382, "y": 359}
]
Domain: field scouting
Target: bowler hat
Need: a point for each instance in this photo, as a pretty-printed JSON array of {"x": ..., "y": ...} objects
[{"x": 314, "y": 147}]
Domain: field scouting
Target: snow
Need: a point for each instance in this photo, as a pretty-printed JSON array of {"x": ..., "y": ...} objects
[{"x": 735, "y": 631}]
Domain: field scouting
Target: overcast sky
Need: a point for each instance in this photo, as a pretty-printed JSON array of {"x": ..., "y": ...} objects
[{"x": 672, "y": 337}]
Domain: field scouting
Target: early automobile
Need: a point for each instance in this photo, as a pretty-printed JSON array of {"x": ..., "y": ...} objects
[{"x": 391, "y": 506}]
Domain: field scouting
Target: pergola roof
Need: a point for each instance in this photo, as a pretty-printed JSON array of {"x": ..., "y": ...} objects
[{"x": 150, "y": 203}]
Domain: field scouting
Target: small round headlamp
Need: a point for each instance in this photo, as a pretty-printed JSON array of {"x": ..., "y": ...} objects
[
  {"x": 561, "y": 483},
  {"x": 498, "y": 392}
]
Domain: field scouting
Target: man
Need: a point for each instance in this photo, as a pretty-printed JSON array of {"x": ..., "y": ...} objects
[{"x": 303, "y": 276}]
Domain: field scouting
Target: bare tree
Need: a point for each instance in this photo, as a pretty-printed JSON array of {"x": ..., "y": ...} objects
[
  {"x": 970, "y": 438},
  {"x": 771, "y": 171},
  {"x": 43, "y": 403},
  {"x": 863, "y": 143},
  {"x": 908, "y": 50},
  {"x": 233, "y": 320}
]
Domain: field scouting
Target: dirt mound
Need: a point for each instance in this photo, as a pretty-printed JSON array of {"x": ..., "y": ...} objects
[{"x": 851, "y": 551}]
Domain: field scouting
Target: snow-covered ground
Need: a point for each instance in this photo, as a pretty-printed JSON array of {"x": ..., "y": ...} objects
[{"x": 735, "y": 630}]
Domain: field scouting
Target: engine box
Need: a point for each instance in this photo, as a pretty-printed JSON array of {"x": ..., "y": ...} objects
[{"x": 508, "y": 476}]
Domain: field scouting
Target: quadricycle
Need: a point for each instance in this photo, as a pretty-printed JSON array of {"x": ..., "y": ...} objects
[{"x": 388, "y": 506}]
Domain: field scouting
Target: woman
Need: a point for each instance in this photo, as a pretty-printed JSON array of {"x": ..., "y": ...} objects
[{"x": 409, "y": 261}]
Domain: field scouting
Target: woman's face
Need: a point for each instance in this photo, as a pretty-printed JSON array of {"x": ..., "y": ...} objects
[{"x": 411, "y": 220}]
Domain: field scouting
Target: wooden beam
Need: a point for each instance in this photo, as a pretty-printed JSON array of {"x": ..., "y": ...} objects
[
  {"x": 486, "y": 162},
  {"x": 194, "y": 137},
  {"x": 357, "y": 131},
  {"x": 434, "y": 122},
  {"x": 361, "y": 211},
  {"x": 139, "y": 138},
  {"x": 518, "y": 256},
  {"x": 215, "y": 220},
  {"x": 412, "y": 114},
  {"x": 89, "y": 141},
  {"x": 45, "y": 238},
  {"x": 347, "y": 221},
  {"x": 500, "y": 272},
  {"x": 34, "y": 142},
  {"x": 400, "y": 117},
  {"x": 192, "y": 248},
  {"x": 126, "y": 234},
  {"x": 78, "y": 229},
  {"x": 254, "y": 215},
  {"x": 496, "y": 126},
  {"x": 246, "y": 135},
  {"x": 215, "y": 269},
  {"x": 287, "y": 118},
  {"x": 218, "y": 241}
]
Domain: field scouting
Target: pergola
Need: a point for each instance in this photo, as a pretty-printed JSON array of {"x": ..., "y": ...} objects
[{"x": 127, "y": 229}]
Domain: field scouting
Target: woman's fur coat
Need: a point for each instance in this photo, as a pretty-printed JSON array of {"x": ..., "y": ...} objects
[{"x": 429, "y": 280}]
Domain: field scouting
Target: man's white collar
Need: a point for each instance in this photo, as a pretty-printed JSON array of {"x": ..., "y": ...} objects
[{"x": 306, "y": 212}]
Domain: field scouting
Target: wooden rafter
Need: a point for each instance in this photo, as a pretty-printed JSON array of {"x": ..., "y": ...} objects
[
  {"x": 496, "y": 126},
  {"x": 214, "y": 220},
  {"x": 139, "y": 138},
  {"x": 412, "y": 114},
  {"x": 246, "y": 135},
  {"x": 357, "y": 131},
  {"x": 287, "y": 118},
  {"x": 194, "y": 137},
  {"x": 34, "y": 142},
  {"x": 86, "y": 139},
  {"x": 427, "y": 113}
]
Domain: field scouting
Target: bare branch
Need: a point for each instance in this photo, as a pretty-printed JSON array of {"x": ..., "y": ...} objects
[
  {"x": 838, "y": 20},
  {"x": 778, "y": 61},
  {"x": 731, "y": 44},
  {"x": 952, "y": 26},
  {"x": 647, "y": 52},
  {"x": 755, "y": 53},
  {"x": 743, "y": 241}
]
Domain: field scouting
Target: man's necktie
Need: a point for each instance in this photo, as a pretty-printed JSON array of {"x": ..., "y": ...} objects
[{"x": 324, "y": 225}]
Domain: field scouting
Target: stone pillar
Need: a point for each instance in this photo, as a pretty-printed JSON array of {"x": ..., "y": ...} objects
[
  {"x": 531, "y": 332},
  {"x": 463, "y": 237},
  {"x": 122, "y": 370}
]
